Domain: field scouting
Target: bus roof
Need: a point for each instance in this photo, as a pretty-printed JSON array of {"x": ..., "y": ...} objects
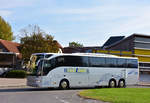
[
  {"x": 91, "y": 55},
  {"x": 43, "y": 53}
]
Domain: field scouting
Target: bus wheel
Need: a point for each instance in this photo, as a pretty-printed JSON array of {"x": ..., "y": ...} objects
[
  {"x": 112, "y": 83},
  {"x": 121, "y": 83},
  {"x": 64, "y": 84}
]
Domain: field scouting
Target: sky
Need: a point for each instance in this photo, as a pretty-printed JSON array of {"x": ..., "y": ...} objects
[{"x": 89, "y": 22}]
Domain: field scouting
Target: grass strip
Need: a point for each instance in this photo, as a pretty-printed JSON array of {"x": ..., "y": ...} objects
[{"x": 118, "y": 95}]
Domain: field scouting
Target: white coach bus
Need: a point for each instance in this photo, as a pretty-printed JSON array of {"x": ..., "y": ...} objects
[{"x": 85, "y": 70}]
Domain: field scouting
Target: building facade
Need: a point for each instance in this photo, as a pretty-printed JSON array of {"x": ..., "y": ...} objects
[
  {"x": 10, "y": 57},
  {"x": 136, "y": 45}
]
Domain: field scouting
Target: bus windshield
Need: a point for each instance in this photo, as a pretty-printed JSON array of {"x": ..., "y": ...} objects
[
  {"x": 33, "y": 63},
  {"x": 36, "y": 58},
  {"x": 45, "y": 66}
]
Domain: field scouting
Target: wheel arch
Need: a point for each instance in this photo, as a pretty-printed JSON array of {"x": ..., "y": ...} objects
[
  {"x": 122, "y": 79},
  {"x": 65, "y": 79},
  {"x": 112, "y": 79}
]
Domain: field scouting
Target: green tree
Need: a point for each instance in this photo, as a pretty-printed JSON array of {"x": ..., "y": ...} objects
[
  {"x": 5, "y": 30},
  {"x": 36, "y": 41},
  {"x": 75, "y": 44}
]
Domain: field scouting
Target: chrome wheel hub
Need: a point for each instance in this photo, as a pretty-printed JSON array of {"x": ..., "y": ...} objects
[
  {"x": 64, "y": 84},
  {"x": 121, "y": 83},
  {"x": 112, "y": 84}
]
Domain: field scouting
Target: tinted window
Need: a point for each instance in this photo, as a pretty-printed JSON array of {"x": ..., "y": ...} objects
[
  {"x": 60, "y": 61},
  {"x": 75, "y": 61},
  {"x": 132, "y": 63},
  {"x": 111, "y": 62},
  {"x": 85, "y": 62},
  {"x": 121, "y": 62},
  {"x": 48, "y": 66},
  {"x": 97, "y": 61}
]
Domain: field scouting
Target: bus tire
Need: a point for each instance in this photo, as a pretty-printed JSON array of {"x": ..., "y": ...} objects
[
  {"x": 64, "y": 84},
  {"x": 112, "y": 83},
  {"x": 121, "y": 83}
]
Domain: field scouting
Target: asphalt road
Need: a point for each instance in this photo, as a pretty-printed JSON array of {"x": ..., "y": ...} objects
[{"x": 40, "y": 95}]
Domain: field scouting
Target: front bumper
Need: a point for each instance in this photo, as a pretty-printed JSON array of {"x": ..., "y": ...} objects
[{"x": 34, "y": 81}]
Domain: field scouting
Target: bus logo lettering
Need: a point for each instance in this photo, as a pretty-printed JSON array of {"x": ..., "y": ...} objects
[{"x": 75, "y": 70}]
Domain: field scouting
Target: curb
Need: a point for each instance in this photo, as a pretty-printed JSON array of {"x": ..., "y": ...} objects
[
  {"x": 86, "y": 97},
  {"x": 19, "y": 86},
  {"x": 144, "y": 84}
]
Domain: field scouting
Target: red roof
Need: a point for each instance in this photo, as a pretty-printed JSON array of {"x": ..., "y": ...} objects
[{"x": 11, "y": 46}]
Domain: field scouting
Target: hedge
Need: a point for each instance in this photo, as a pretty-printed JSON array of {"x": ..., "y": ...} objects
[{"x": 16, "y": 74}]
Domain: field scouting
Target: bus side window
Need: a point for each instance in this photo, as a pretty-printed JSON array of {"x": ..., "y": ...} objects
[
  {"x": 97, "y": 62},
  {"x": 85, "y": 62},
  {"x": 60, "y": 61},
  {"x": 132, "y": 63},
  {"x": 73, "y": 61},
  {"x": 111, "y": 62},
  {"x": 121, "y": 62},
  {"x": 53, "y": 63}
]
